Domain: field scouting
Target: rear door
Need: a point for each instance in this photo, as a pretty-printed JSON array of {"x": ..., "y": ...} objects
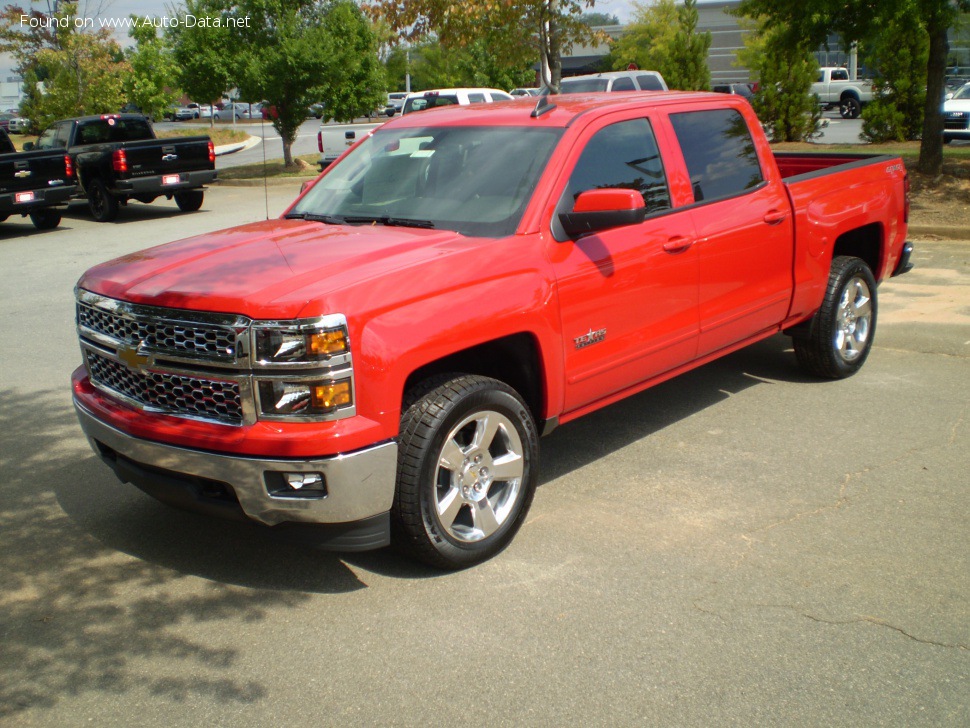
[
  {"x": 628, "y": 296},
  {"x": 742, "y": 218}
]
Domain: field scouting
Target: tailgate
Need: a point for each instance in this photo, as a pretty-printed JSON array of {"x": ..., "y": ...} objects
[
  {"x": 167, "y": 156},
  {"x": 32, "y": 171}
]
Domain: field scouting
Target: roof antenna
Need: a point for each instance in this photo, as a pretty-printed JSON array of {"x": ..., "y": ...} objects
[{"x": 542, "y": 107}]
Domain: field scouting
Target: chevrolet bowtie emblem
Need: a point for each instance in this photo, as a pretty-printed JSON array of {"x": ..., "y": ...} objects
[
  {"x": 133, "y": 357},
  {"x": 22, "y": 174}
]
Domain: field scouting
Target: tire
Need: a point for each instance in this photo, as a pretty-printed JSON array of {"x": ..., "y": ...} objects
[
  {"x": 45, "y": 219},
  {"x": 103, "y": 206},
  {"x": 467, "y": 469},
  {"x": 840, "y": 335},
  {"x": 189, "y": 200},
  {"x": 849, "y": 107}
]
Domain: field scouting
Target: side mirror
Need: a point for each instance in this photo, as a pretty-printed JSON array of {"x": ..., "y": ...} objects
[
  {"x": 603, "y": 209},
  {"x": 948, "y": 96},
  {"x": 306, "y": 185},
  {"x": 28, "y": 146}
]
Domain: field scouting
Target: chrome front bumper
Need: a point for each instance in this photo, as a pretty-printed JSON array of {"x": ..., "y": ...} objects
[{"x": 358, "y": 485}]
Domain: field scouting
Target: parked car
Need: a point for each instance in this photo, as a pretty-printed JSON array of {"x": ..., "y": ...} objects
[
  {"x": 395, "y": 102},
  {"x": 381, "y": 360},
  {"x": 834, "y": 88},
  {"x": 525, "y": 91},
  {"x": 452, "y": 96},
  {"x": 611, "y": 81},
  {"x": 956, "y": 115},
  {"x": 34, "y": 183},
  {"x": 18, "y": 125},
  {"x": 5, "y": 120},
  {"x": 117, "y": 158},
  {"x": 738, "y": 89},
  {"x": 230, "y": 111}
]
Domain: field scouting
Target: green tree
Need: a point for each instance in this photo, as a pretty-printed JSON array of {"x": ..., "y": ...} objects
[
  {"x": 812, "y": 20},
  {"x": 293, "y": 53},
  {"x": 688, "y": 52},
  {"x": 68, "y": 70},
  {"x": 785, "y": 71},
  {"x": 648, "y": 38},
  {"x": 204, "y": 52},
  {"x": 433, "y": 65},
  {"x": 514, "y": 30},
  {"x": 898, "y": 52},
  {"x": 152, "y": 85}
]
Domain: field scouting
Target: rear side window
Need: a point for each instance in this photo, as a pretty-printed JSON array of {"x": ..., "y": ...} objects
[
  {"x": 476, "y": 98},
  {"x": 623, "y": 156},
  {"x": 649, "y": 83},
  {"x": 719, "y": 152},
  {"x": 623, "y": 84}
]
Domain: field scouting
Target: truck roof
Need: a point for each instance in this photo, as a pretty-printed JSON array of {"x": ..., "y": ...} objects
[{"x": 568, "y": 108}]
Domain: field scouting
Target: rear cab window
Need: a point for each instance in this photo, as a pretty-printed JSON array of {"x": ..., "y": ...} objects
[{"x": 719, "y": 153}]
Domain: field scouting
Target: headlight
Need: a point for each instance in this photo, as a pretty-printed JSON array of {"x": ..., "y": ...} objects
[
  {"x": 303, "y": 370},
  {"x": 303, "y": 398},
  {"x": 301, "y": 342}
]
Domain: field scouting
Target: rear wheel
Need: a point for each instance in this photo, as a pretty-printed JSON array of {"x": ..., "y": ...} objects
[
  {"x": 849, "y": 107},
  {"x": 841, "y": 333},
  {"x": 104, "y": 207},
  {"x": 467, "y": 469},
  {"x": 45, "y": 219},
  {"x": 189, "y": 200}
]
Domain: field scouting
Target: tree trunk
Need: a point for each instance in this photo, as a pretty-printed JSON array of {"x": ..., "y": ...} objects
[
  {"x": 931, "y": 148},
  {"x": 287, "y": 153}
]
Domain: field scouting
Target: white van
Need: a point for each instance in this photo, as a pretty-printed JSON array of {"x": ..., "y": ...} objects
[{"x": 451, "y": 96}]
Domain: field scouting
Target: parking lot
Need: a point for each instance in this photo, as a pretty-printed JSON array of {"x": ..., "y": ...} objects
[{"x": 740, "y": 546}]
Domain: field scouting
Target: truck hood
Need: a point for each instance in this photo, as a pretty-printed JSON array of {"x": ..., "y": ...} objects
[{"x": 269, "y": 269}]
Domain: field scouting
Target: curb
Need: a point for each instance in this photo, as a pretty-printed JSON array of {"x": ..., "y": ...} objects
[
  {"x": 224, "y": 149},
  {"x": 944, "y": 232},
  {"x": 270, "y": 181}
]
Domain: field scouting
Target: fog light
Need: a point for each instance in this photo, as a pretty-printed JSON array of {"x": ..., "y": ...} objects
[{"x": 296, "y": 485}]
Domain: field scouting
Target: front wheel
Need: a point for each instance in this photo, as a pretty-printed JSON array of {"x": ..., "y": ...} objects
[
  {"x": 841, "y": 333},
  {"x": 189, "y": 200},
  {"x": 45, "y": 219},
  {"x": 467, "y": 470}
]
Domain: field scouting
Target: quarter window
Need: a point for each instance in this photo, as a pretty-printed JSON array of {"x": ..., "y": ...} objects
[{"x": 719, "y": 152}]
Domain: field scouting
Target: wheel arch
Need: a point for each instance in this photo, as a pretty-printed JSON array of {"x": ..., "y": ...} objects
[
  {"x": 866, "y": 243},
  {"x": 515, "y": 359}
]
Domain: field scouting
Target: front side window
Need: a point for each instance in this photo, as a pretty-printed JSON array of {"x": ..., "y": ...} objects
[
  {"x": 719, "y": 152},
  {"x": 46, "y": 139},
  {"x": 623, "y": 156},
  {"x": 474, "y": 180},
  {"x": 476, "y": 98},
  {"x": 623, "y": 84},
  {"x": 649, "y": 83}
]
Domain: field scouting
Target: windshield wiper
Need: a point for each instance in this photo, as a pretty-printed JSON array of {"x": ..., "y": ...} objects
[
  {"x": 313, "y": 217},
  {"x": 391, "y": 221}
]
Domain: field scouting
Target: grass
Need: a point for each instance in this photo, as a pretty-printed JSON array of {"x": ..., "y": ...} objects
[
  {"x": 218, "y": 135},
  {"x": 273, "y": 168}
]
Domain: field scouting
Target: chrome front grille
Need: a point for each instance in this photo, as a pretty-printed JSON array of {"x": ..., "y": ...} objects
[{"x": 174, "y": 394}]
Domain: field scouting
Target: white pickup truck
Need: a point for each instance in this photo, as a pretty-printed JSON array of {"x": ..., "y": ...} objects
[
  {"x": 334, "y": 139},
  {"x": 834, "y": 88}
]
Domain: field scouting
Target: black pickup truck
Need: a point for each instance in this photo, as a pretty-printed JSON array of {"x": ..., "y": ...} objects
[
  {"x": 34, "y": 183},
  {"x": 118, "y": 158}
]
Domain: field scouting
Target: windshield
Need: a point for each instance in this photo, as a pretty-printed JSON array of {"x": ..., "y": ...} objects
[
  {"x": 583, "y": 86},
  {"x": 963, "y": 93},
  {"x": 473, "y": 180}
]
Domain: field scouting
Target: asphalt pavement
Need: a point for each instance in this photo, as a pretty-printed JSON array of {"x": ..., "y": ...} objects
[{"x": 741, "y": 546}]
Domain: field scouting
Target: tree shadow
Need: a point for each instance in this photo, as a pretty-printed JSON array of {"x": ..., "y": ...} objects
[{"x": 81, "y": 615}]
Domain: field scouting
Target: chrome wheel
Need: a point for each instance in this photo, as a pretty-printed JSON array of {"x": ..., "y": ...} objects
[
  {"x": 853, "y": 320},
  {"x": 479, "y": 476}
]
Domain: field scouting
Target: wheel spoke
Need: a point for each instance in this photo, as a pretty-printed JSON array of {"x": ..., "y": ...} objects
[
  {"x": 484, "y": 517},
  {"x": 863, "y": 307},
  {"x": 449, "y": 507},
  {"x": 486, "y": 429},
  {"x": 451, "y": 456},
  {"x": 508, "y": 467}
]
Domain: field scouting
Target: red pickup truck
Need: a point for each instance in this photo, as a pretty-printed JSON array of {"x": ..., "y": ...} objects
[{"x": 379, "y": 363}]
